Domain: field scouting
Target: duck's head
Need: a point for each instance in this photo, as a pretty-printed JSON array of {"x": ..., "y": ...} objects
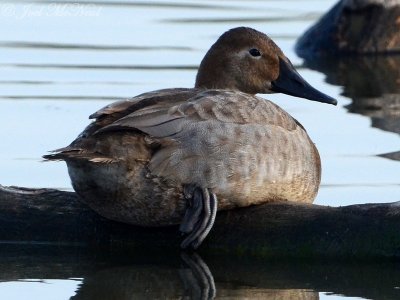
[{"x": 247, "y": 60}]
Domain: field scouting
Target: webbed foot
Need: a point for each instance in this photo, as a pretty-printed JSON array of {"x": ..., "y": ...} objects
[{"x": 199, "y": 217}]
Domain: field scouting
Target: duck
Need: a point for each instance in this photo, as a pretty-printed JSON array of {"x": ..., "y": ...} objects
[{"x": 178, "y": 155}]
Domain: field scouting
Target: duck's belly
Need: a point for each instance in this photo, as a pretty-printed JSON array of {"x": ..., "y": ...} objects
[
  {"x": 125, "y": 193},
  {"x": 258, "y": 169}
]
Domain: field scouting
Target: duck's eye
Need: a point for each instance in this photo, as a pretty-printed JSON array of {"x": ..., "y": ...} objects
[{"x": 254, "y": 52}]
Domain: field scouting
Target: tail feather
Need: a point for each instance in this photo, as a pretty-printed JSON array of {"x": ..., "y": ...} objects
[{"x": 79, "y": 155}]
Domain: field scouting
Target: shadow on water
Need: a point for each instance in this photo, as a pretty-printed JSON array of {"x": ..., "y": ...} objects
[
  {"x": 373, "y": 85},
  {"x": 88, "y": 47},
  {"x": 146, "y": 4},
  {"x": 243, "y": 20},
  {"x": 105, "y": 67},
  {"x": 117, "y": 275}
]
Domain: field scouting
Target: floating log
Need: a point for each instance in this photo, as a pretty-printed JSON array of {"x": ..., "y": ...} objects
[
  {"x": 281, "y": 229},
  {"x": 354, "y": 27}
]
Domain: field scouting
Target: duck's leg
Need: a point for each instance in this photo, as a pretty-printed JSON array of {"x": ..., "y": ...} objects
[{"x": 199, "y": 217}]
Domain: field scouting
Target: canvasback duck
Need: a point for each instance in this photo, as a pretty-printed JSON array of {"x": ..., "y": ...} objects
[{"x": 165, "y": 157}]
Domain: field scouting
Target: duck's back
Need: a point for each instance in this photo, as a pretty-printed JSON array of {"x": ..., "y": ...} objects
[{"x": 130, "y": 164}]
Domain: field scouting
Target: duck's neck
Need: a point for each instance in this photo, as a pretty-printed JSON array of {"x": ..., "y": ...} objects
[{"x": 213, "y": 75}]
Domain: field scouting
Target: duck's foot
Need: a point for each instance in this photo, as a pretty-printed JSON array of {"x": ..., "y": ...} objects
[
  {"x": 197, "y": 279},
  {"x": 199, "y": 217}
]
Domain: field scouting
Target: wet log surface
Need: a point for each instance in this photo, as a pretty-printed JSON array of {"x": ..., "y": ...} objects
[{"x": 283, "y": 229}]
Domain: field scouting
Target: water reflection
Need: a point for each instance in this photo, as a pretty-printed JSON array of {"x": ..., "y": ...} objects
[
  {"x": 373, "y": 84},
  {"x": 114, "y": 274},
  {"x": 197, "y": 277},
  {"x": 192, "y": 280}
]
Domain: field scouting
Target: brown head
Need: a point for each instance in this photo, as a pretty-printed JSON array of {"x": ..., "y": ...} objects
[{"x": 247, "y": 60}]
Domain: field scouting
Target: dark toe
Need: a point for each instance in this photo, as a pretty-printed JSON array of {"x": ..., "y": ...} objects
[{"x": 199, "y": 218}]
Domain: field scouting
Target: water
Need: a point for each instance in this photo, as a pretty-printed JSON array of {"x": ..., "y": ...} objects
[
  {"x": 61, "y": 61},
  {"x": 99, "y": 275}
]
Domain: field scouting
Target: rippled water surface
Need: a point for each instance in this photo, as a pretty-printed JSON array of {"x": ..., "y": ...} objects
[{"x": 61, "y": 61}]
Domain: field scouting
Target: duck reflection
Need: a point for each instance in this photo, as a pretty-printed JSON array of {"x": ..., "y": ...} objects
[
  {"x": 373, "y": 84},
  {"x": 117, "y": 274},
  {"x": 192, "y": 280}
]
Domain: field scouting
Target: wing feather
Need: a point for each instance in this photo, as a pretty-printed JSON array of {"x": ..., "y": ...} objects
[{"x": 188, "y": 126}]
